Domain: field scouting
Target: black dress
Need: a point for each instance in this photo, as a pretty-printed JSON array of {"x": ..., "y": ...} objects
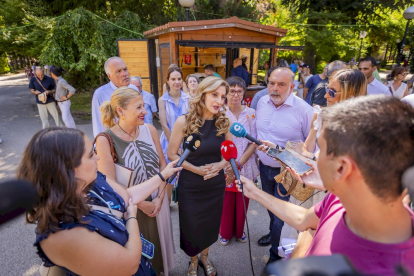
[{"x": 201, "y": 201}]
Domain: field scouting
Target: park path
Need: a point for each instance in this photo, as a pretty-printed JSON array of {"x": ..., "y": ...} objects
[{"x": 19, "y": 121}]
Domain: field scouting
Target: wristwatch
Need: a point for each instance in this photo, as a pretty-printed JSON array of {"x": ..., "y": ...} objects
[{"x": 312, "y": 156}]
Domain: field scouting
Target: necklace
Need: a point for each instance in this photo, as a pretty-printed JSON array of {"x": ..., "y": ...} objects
[{"x": 133, "y": 137}]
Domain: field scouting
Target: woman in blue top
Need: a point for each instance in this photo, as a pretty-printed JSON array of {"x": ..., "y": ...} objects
[
  {"x": 101, "y": 234},
  {"x": 172, "y": 105}
]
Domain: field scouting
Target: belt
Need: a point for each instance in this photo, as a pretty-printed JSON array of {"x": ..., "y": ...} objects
[{"x": 63, "y": 101}]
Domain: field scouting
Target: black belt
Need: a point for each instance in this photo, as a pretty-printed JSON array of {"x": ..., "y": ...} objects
[{"x": 63, "y": 101}]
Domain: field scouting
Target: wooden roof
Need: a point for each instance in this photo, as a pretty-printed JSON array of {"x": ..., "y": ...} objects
[{"x": 232, "y": 22}]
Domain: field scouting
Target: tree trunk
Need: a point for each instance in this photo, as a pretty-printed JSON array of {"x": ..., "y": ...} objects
[
  {"x": 390, "y": 53},
  {"x": 386, "y": 51}
]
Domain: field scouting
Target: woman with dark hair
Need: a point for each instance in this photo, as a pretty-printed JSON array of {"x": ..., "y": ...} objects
[
  {"x": 101, "y": 234},
  {"x": 201, "y": 184},
  {"x": 233, "y": 217},
  {"x": 397, "y": 87}
]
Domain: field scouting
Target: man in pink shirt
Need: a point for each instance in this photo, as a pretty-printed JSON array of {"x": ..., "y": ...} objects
[{"x": 365, "y": 147}]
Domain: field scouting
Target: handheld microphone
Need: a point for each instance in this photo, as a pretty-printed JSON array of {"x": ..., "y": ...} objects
[
  {"x": 190, "y": 144},
  {"x": 229, "y": 152},
  {"x": 16, "y": 197},
  {"x": 238, "y": 130}
]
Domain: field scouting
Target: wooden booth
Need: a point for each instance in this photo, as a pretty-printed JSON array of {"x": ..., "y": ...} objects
[{"x": 193, "y": 44}]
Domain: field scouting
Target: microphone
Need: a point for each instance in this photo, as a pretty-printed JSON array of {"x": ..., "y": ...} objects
[
  {"x": 16, "y": 197},
  {"x": 238, "y": 130},
  {"x": 229, "y": 152},
  {"x": 190, "y": 144}
]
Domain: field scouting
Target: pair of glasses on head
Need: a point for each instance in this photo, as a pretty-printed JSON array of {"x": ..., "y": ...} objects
[
  {"x": 233, "y": 92},
  {"x": 331, "y": 92},
  {"x": 404, "y": 74}
]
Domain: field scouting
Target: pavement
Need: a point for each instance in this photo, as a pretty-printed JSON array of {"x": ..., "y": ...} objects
[{"x": 19, "y": 121}]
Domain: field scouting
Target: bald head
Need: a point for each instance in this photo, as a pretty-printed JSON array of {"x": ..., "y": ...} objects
[
  {"x": 117, "y": 71},
  {"x": 39, "y": 72},
  {"x": 280, "y": 84},
  {"x": 237, "y": 62}
]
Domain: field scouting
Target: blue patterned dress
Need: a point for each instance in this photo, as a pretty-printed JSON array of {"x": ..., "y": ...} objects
[{"x": 102, "y": 223}]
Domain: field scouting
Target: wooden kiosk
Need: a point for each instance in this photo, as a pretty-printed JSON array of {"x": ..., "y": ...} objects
[{"x": 193, "y": 44}]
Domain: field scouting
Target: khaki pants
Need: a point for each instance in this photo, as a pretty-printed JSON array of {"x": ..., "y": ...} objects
[
  {"x": 66, "y": 115},
  {"x": 43, "y": 109}
]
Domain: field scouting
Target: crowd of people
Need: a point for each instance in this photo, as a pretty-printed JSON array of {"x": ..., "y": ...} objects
[{"x": 357, "y": 143}]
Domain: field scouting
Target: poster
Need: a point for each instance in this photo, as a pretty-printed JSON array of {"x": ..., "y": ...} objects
[
  {"x": 223, "y": 58},
  {"x": 187, "y": 59}
]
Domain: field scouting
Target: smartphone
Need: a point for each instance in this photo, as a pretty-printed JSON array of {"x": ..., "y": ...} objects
[
  {"x": 273, "y": 152},
  {"x": 293, "y": 162},
  {"x": 147, "y": 248}
]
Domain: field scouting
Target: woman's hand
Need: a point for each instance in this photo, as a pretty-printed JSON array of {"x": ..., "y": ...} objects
[
  {"x": 170, "y": 170},
  {"x": 147, "y": 207},
  {"x": 131, "y": 210},
  {"x": 248, "y": 187},
  {"x": 266, "y": 145},
  {"x": 158, "y": 203},
  {"x": 229, "y": 175},
  {"x": 212, "y": 170},
  {"x": 311, "y": 179}
]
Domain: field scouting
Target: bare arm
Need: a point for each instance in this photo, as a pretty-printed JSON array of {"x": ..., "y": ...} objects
[
  {"x": 305, "y": 92},
  {"x": 406, "y": 92},
  {"x": 247, "y": 153},
  {"x": 310, "y": 143},
  {"x": 296, "y": 216},
  {"x": 77, "y": 250},
  {"x": 35, "y": 92},
  {"x": 163, "y": 119}
]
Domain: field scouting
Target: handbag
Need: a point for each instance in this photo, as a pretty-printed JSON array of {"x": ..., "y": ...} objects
[
  {"x": 51, "y": 271},
  {"x": 123, "y": 175},
  {"x": 42, "y": 96}
]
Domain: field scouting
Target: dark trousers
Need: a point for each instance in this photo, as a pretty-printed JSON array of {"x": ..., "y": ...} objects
[{"x": 267, "y": 175}]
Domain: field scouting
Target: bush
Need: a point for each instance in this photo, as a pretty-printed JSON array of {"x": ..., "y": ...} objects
[
  {"x": 4, "y": 65},
  {"x": 320, "y": 66}
]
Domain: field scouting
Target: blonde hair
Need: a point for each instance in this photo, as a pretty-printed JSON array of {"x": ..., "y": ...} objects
[
  {"x": 194, "y": 117},
  {"x": 353, "y": 83},
  {"x": 120, "y": 98}
]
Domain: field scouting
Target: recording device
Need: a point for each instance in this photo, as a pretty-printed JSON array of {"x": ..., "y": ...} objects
[
  {"x": 190, "y": 144},
  {"x": 273, "y": 152},
  {"x": 238, "y": 130},
  {"x": 229, "y": 152},
  {"x": 16, "y": 197},
  {"x": 147, "y": 248}
]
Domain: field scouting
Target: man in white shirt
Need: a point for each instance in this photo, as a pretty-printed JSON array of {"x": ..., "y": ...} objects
[
  {"x": 149, "y": 100},
  {"x": 117, "y": 72},
  {"x": 281, "y": 117},
  {"x": 367, "y": 66}
]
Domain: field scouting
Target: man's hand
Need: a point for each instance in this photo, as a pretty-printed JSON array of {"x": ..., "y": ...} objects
[{"x": 63, "y": 98}]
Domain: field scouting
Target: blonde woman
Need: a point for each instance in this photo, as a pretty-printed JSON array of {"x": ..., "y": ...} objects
[
  {"x": 201, "y": 184},
  {"x": 138, "y": 147}
]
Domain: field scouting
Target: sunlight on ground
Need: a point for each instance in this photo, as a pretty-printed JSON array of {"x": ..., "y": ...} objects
[{"x": 32, "y": 271}]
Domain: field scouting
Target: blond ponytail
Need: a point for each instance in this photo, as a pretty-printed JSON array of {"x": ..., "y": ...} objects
[{"x": 120, "y": 98}]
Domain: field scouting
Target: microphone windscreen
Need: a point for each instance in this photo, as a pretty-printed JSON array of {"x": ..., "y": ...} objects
[
  {"x": 238, "y": 130},
  {"x": 192, "y": 142},
  {"x": 228, "y": 150}
]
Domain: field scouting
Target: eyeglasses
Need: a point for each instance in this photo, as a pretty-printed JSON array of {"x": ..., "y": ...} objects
[
  {"x": 404, "y": 74},
  {"x": 234, "y": 92},
  {"x": 331, "y": 92}
]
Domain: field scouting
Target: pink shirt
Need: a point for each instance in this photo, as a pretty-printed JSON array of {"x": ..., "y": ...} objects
[{"x": 333, "y": 236}]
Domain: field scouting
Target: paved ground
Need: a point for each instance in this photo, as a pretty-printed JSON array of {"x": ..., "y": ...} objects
[{"x": 19, "y": 120}]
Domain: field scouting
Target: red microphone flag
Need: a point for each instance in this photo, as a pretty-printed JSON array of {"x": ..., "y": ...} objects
[{"x": 228, "y": 150}]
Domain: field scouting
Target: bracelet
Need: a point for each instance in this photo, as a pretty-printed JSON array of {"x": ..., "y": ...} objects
[
  {"x": 239, "y": 166},
  {"x": 129, "y": 219},
  {"x": 162, "y": 177}
]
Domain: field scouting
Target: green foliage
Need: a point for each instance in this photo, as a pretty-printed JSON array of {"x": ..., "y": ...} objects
[{"x": 4, "y": 66}]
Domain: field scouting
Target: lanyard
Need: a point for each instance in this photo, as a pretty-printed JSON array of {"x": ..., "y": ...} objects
[{"x": 103, "y": 200}]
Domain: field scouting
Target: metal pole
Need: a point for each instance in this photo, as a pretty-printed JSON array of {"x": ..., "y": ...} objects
[
  {"x": 360, "y": 48},
  {"x": 400, "y": 52},
  {"x": 187, "y": 13}
]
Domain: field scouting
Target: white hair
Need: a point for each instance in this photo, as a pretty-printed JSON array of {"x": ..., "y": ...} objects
[
  {"x": 136, "y": 78},
  {"x": 108, "y": 62}
]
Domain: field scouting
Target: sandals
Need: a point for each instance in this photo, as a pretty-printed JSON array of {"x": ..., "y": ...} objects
[
  {"x": 209, "y": 269},
  {"x": 223, "y": 241},
  {"x": 192, "y": 268},
  {"x": 243, "y": 239}
]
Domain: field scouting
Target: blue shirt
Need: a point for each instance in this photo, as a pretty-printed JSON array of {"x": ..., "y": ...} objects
[
  {"x": 311, "y": 85},
  {"x": 289, "y": 122},
  {"x": 150, "y": 106},
  {"x": 217, "y": 75},
  {"x": 258, "y": 96},
  {"x": 239, "y": 71},
  {"x": 47, "y": 83},
  {"x": 101, "y": 95},
  {"x": 293, "y": 67}
]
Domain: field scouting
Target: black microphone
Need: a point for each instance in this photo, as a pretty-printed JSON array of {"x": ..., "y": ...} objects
[
  {"x": 16, "y": 197},
  {"x": 190, "y": 144},
  {"x": 229, "y": 152},
  {"x": 238, "y": 130}
]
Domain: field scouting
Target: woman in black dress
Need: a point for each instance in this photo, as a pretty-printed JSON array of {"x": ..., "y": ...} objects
[{"x": 201, "y": 183}]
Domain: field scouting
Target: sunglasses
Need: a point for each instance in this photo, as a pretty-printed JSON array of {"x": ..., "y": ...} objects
[{"x": 331, "y": 92}]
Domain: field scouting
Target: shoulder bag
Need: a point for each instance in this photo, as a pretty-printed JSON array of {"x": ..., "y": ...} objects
[{"x": 42, "y": 96}]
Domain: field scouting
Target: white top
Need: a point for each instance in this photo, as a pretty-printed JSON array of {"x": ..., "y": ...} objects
[
  {"x": 289, "y": 122},
  {"x": 409, "y": 99},
  {"x": 376, "y": 87},
  {"x": 101, "y": 95},
  {"x": 399, "y": 93}
]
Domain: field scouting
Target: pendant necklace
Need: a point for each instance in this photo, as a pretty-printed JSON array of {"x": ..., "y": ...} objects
[{"x": 135, "y": 134}]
